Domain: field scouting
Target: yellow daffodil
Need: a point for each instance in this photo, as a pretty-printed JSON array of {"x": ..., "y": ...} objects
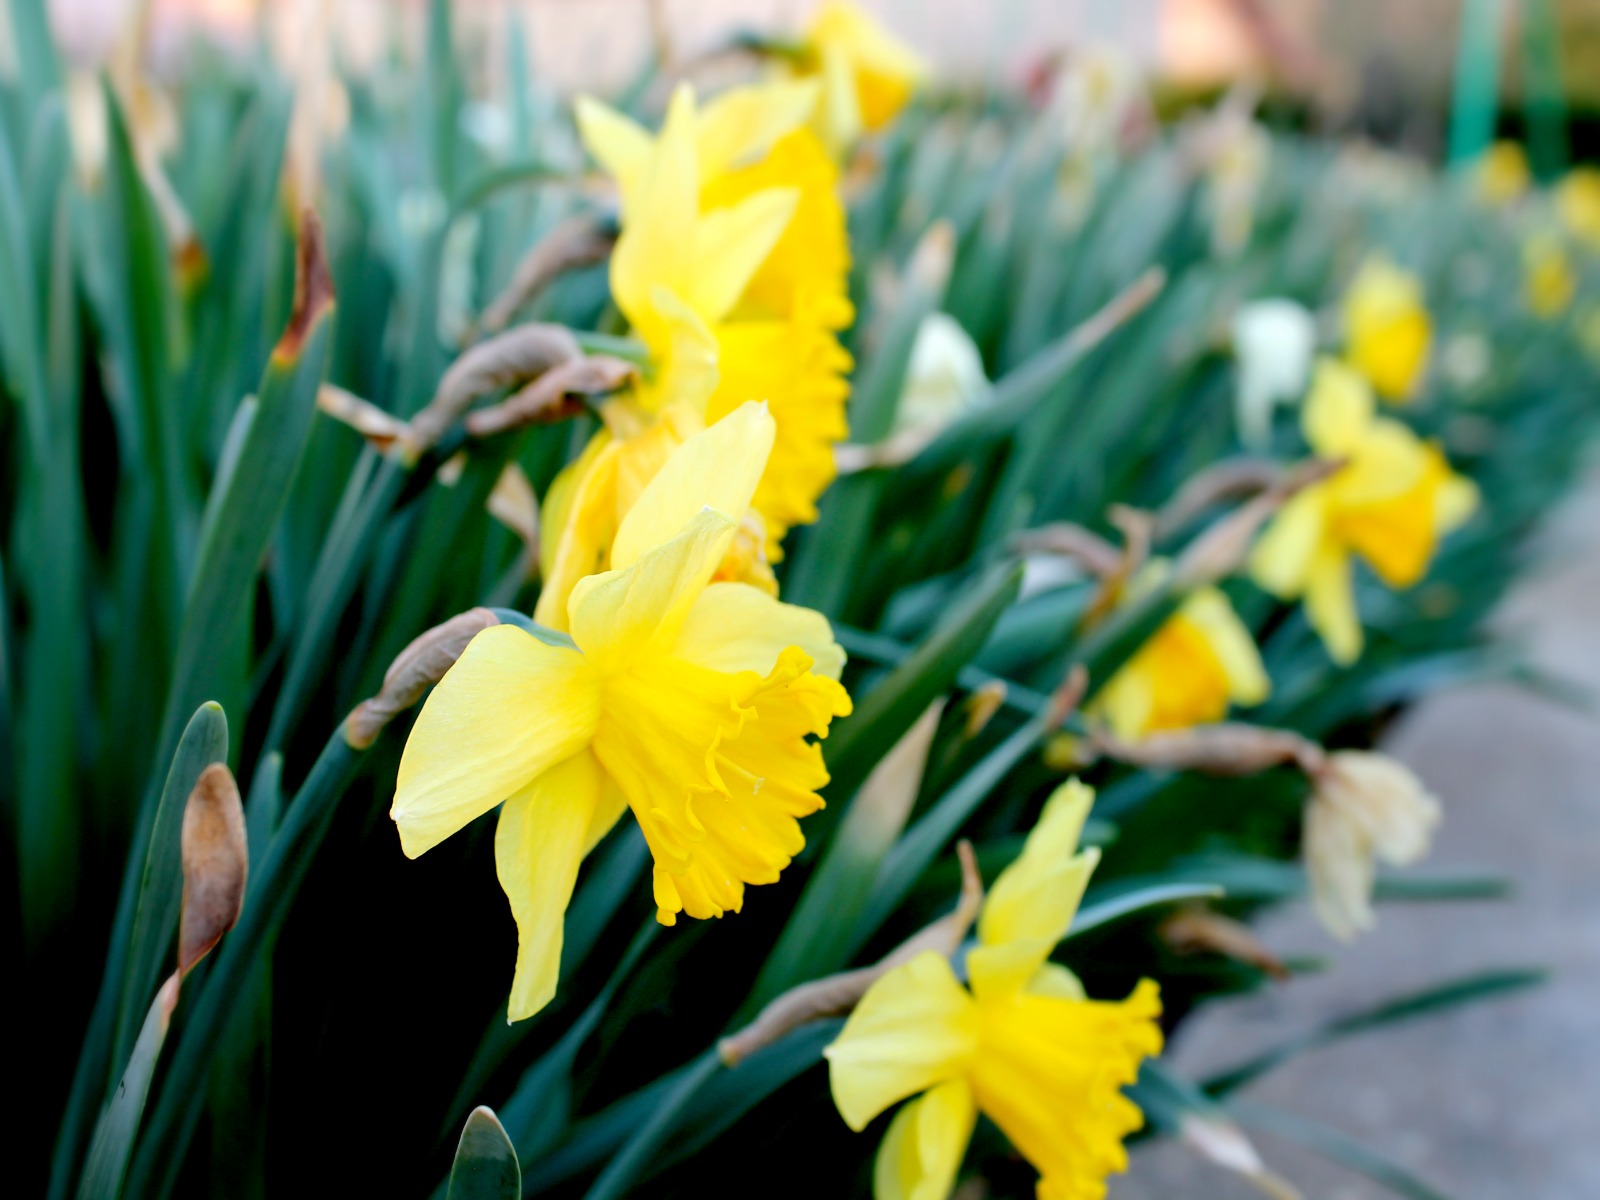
[
  {"x": 868, "y": 75},
  {"x": 1548, "y": 280},
  {"x": 729, "y": 306},
  {"x": 1387, "y": 328},
  {"x": 1020, "y": 1043},
  {"x": 1502, "y": 174},
  {"x": 1578, "y": 203},
  {"x": 1198, "y": 663},
  {"x": 1389, "y": 504},
  {"x": 688, "y": 701}
]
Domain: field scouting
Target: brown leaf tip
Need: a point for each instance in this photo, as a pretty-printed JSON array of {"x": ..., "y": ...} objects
[
  {"x": 215, "y": 864},
  {"x": 313, "y": 287}
]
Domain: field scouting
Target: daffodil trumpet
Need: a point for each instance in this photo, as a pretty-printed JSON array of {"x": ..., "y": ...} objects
[{"x": 690, "y": 702}]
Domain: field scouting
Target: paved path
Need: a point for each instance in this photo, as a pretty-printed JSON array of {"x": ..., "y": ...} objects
[{"x": 1499, "y": 1100}]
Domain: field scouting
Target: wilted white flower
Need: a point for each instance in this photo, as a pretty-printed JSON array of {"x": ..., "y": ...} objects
[
  {"x": 1274, "y": 341},
  {"x": 944, "y": 378},
  {"x": 1364, "y": 807}
]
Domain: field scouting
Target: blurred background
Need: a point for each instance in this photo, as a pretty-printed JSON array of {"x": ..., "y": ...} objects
[{"x": 1496, "y": 1100}]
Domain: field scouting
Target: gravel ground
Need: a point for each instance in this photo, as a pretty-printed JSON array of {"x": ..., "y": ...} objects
[{"x": 1498, "y": 1099}]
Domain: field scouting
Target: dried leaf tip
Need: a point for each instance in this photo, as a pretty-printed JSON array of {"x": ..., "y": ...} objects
[
  {"x": 215, "y": 864},
  {"x": 414, "y": 670},
  {"x": 313, "y": 288}
]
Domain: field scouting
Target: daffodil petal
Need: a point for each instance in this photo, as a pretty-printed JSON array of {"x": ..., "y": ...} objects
[
  {"x": 1281, "y": 560},
  {"x": 914, "y": 1029},
  {"x": 657, "y": 248},
  {"x": 1038, "y": 894},
  {"x": 689, "y": 373},
  {"x": 743, "y": 122},
  {"x": 1231, "y": 642},
  {"x": 618, "y": 143},
  {"x": 1331, "y": 605},
  {"x": 622, "y": 613},
  {"x": 736, "y": 627},
  {"x": 1339, "y": 410},
  {"x": 538, "y": 845},
  {"x": 716, "y": 469},
  {"x": 731, "y": 243},
  {"x": 582, "y": 505},
  {"x": 925, "y": 1143},
  {"x": 510, "y": 708}
]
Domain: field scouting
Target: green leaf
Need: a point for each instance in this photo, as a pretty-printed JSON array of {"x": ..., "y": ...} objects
[
  {"x": 160, "y": 896},
  {"x": 837, "y": 891},
  {"x": 1335, "y": 1147},
  {"x": 486, "y": 1164},
  {"x": 119, "y": 1120},
  {"x": 35, "y": 50},
  {"x": 1127, "y": 898},
  {"x": 650, "y": 1138},
  {"x": 1467, "y": 990}
]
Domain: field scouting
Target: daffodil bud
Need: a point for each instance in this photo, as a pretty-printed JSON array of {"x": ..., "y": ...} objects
[
  {"x": 1365, "y": 807},
  {"x": 1273, "y": 341}
]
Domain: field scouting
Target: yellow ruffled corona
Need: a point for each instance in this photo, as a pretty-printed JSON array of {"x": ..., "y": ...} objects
[
  {"x": 732, "y": 268},
  {"x": 688, "y": 701},
  {"x": 1387, "y": 328},
  {"x": 1389, "y": 505},
  {"x": 868, "y": 75},
  {"x": 1199, "y": 662},
  {"x": 1021, "y": 1043}
]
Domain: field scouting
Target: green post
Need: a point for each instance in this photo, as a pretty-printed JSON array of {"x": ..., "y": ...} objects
[
  {"x": 1477, "y": 85},
  {"x": 1543, "y": 100}
]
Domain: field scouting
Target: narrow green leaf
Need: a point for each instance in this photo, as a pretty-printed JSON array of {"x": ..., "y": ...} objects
[
  {"x": 35, "y": 49},
  {"x": 650, "y": 1138},
  {"x": 119, "y": 1120},
  {"x": 1124, "y": 899},
  {"x": 160, "y": 897},
  {"x": 1467, "y": 990},
  {"x": 486, "y": 1164}
]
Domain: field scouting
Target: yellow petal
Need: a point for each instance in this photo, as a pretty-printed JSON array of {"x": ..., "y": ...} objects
[
  {"x": 1127, "y": 702},
  {"x": 1457, "y": 500},
  {"x": 924, "y": 1145},
  {"x": 1388, "y": 328},
  {"x": 686, "y": 371},
  {"x": 839, "y": 121},
  {"x": 619, "y": 615},
  {"x": 1049, "y": 1072},
  {"x": 718, "y": 768},
  {"x": 618, "y": 143},
  {"x": 1055, "y": 980},
  {"x": 538, "y": 844},
  {"x": 1212, "y": 613},
  {"x": 734, "y": 627},
  {"x": 1281, "y": 560},
  {"x": 885, "y": 69},
  {"x": 730, "y": 243},
  {"x": 1338, "y": 410},
  {"x": 510, "y": 708},
  {"x": 1331, "y": 605},
  {"x": 1034, "y": 899},
  {"x": 742, "y": 123},
  {"x": 914, "y": 1029},
  {"x": 580, "y": 522},
  {"x": 716, "y": 469},
  {"x": 657, "y": 246}
]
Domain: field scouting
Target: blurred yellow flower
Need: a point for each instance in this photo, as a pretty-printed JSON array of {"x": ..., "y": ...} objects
[
  {"x": 688, "y": 701},
  {"x": 868, "y": 75},
  {"x": 1578, "y": 203},
  {"x": 735, "y": 286},
  {"x": 1388, "y": 505},
  {"x": 1363, "y": 807},
  {"x": 1387, "y": 328},
  {"x": 1023, "y": 1045},
  {"x": 1502, "y": 173},
  {"x": 1548, "y": 280},
  {"x": 1198, "y": 663}
]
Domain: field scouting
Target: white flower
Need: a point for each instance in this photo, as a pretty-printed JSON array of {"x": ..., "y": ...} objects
[
  {"x": 944, "y": 379},
  {"x": 1274, "y": 341},
  {"x": 1365, "y": 807}
]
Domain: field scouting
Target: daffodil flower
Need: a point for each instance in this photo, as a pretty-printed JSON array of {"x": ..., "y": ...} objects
[
  {"x": 1502, "y": 174},
  {"x": 1578, "y": 204},
  {"x": 1200, "y": 661},
  {"x": 1389, "y": 504},
  {"x": 1020, "y": 1043},
  {"x": 734, "y": 287},
  {"x": 687, "y": 701},
  {"x": 868, "y": 75},
  {"x": 1548, "y": 280},
  {"x": 1387, "y": 328}
]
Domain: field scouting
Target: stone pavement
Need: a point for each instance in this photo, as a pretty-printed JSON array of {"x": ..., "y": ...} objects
[{"x": 1499, "y": 1099}]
